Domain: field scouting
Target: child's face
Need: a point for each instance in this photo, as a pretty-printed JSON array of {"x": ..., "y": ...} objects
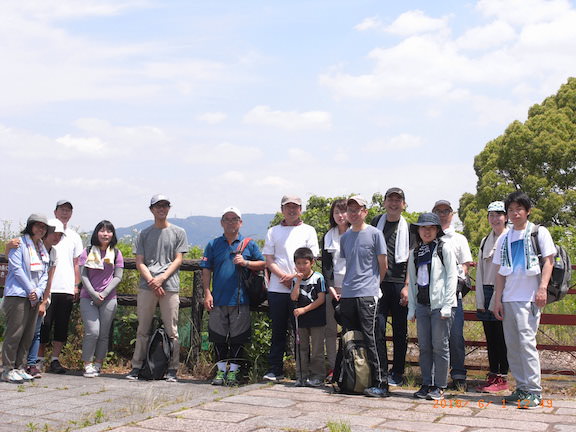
[
  {"x": 428, "y": 233},
  {"x": 518, "y": 215},
  {"x": 304, "y": 266}
]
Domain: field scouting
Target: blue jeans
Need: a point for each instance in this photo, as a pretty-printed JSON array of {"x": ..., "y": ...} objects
[
  {"x": 33, "y": 350},
  {"x": 279, "y": 308},
  {"x": 433, "y": 336},
  {"x": 457, "y": 351}
]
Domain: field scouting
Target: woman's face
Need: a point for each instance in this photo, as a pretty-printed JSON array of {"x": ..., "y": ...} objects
[
  {"x": 39, "y": 230},
  {"x": 497, "y": 220},
  {"x": 105, "y": 236},
  {"x": 428, "y": 233},
  {"x": 340, "y": 216}
]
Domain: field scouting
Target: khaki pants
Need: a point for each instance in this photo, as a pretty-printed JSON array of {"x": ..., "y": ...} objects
[
  {"x": 169, "y": 305},
  {"x": 20, "y": 325},
  {"x": 311, "y": 353}
]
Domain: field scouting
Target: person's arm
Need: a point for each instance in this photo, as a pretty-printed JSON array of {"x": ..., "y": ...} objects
[
  {"x": 12, "y": 244},
  {"x": 285, "y": 278},
  {"x": 46, "y": 296},
  {"x": 250, "y": 265},
  {"x": 383, "y": 266},
  {"x": 77, "y": 279},
  {"x": 295, "y": 293},
  {"x": 404, "y": 291},
  {"x": 498, "y": 307},
  {"x": 116, "y": 279},
  {"x": 208, "y": 299},
  {"x": 145, "y": 272},
  {"x": 88, "y": 285},
  {"x": 16, "y": 262},
  {"x": 451, "y": 282},
  {"x": 542, "y": 293},
  {"x": 315, "y": 304},
  {"x": 411, "y": 279}
]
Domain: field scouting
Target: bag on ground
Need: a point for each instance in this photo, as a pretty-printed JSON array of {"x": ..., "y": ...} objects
[
  {"x": 354, "y": 373},
  {"x": 158, "y": 356}
]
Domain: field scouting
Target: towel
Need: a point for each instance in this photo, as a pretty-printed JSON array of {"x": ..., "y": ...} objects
[
  {"x": 402, "y": 245},
  {"x": 94, "y": 259},
  {"x": 39, "y": 258},
  {"x": 532, "y": 264}
]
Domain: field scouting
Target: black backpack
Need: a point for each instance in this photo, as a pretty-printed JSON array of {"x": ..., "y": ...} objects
[
  {"x": 255, "y": 281},
  {"x": 559, "y": 283},
  {"x": 353, "y": 371},
  {"x": 158, "y": 356}
]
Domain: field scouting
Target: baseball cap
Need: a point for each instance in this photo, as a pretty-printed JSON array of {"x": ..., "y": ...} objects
[
  {"x": 496, "y": 206},
  {"x": 37, "y": 217},
  {"x": 395, "y": 190},
  {"x": 291, "y": 199},
  {"x": 442, "y": 202},
  {"x": 232, "y": 209},
  {"x": 56, "y": 226},
  {"x": 62, "y": 202},
  {"x": 361, "y": 201},
  {"x": 159, "y": 197}
]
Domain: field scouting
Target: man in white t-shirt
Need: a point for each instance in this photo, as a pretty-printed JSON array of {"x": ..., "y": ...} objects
[
  {"x": 65, "y": 289},
  {"x": 521, "y": 292},
  {"x": 281, "y": 242},
  {"x": 461, "y": 248}
]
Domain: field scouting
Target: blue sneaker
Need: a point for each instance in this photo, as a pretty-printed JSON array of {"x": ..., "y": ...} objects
[
  {"x": 395, "y": 380},
  {"x": 377, "y": 392}
]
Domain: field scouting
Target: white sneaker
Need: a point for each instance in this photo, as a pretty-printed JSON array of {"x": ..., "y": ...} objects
[
  {"x": 12, "y": 376},
  {"x": 90, "y": 371},
  {"x": 24, "y": 375}
]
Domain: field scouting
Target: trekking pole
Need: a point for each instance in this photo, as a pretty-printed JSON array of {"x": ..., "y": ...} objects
[{"x": 298, "y": 353}]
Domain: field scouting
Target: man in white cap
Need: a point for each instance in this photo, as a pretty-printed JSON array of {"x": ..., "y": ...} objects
[
  {"x": 224, "y": 259},
  {"x": 443, "y": 209},
  {"x": 281, "y": 242},
  {"x": 159, "y": 252},
  {"x": 64, "y": 290}
]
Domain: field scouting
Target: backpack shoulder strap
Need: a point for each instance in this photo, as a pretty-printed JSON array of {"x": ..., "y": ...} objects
[
  {"x": 243, "y": 244},
  {"x": 535, "y": 242},
  {"x": 439, "y": 250},
  {"x": 482, "y": 243}
]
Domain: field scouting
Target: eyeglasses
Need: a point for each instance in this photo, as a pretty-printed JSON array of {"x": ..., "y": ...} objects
[
  {"x": 443, "y": 212},
  {"x": 230, "y": 220},
  {"x": 355, "y": 210},
  {"x": 161, "y": 205}
]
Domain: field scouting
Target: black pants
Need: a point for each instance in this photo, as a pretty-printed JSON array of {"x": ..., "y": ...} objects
[
  {"x": 57, "y": 315},
  {"x": 360, "y": 313},
  {"x": 496, "y": 345},
  {"x": 389, "y": 305}
]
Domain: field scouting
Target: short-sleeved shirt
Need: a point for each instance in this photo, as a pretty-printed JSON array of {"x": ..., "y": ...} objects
[
  {"x": 460, "y": 247},
  {"x": 101, "y": 278},
  {"x": 159, "y": 248},
  {"x": 67, "y": 249},
  {"x": 361, "y": 250},
  {"x": 519, "y": 286},
  {"x": 309, "y": 290},
  {"x": 227, "y": 288}
]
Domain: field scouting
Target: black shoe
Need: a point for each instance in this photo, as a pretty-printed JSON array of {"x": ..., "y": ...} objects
[
  {"x": 422, "y": 393},
  {"x": 57, "y": 368},
  {"x": 459, "y": 385},
  {"x": 133, "y": 374},
  {"x": 171, "y": 375},
  {"x": 435, "y": 393}
]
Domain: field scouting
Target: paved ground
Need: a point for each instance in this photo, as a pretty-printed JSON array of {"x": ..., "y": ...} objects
[{"x": 58, "y": 403}]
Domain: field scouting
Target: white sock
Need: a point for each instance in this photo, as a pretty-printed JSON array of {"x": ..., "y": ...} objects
[
  {"x": 234, "y": 367},
  {"x": 221, "y": 366}
]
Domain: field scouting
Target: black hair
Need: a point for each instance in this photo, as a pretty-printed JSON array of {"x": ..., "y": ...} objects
[
  {"x": 107, "y": 225},
  {"x": 341, "y": 205},
  {"x": 520, "y": 198},
  {"x": 28, "y": 229},
  {"x": 304, "y": 253}
]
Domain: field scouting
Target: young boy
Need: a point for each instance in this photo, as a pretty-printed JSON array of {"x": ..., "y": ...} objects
[
  {"x": 521, "y": 291},
  {"x": 309, "y": 293}
]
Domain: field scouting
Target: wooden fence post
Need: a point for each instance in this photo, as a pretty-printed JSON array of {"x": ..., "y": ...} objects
[{"x": 196, "y": 312}]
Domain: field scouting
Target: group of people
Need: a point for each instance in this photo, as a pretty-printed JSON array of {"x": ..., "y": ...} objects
[{"x": 415, "y": 271}]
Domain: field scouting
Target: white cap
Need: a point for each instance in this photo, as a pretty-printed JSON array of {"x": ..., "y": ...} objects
[
  {"x": 157, "y": 198},
  {"x": 56, "y": 225},
  {"x": 232, "y": 210}
]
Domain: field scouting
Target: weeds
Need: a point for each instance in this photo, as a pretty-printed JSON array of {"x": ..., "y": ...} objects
[{"x": 338, "y": 426}]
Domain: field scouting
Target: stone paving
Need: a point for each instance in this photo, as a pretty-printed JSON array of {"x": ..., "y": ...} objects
[{"x": 58, "y": 403}]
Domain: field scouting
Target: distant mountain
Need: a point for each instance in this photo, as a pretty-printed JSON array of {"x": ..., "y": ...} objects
[{"x": 201, "y": 229}]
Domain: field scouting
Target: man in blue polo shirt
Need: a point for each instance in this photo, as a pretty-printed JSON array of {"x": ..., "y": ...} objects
[{"x": 229, "y": 321}]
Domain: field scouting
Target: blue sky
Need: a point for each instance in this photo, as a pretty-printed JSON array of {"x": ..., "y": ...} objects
[{"x": 221, "y": 103}]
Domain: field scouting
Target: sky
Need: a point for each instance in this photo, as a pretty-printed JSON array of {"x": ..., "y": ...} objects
[{"x": 219, "y": 103}]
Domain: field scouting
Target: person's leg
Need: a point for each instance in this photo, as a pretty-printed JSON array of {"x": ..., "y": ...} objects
[
  {"x": 35, "y": 344},
  {"x": 384, "y": 309},
  {"x": 440, "y": 347},
  {"x": 399, "y": 331},
  {"x": 91, "y": 320},
  {"x": 14, "y": 311},
  {"x": 528, "y": 319},
  {"x": 424, "y": 331},
  {"x": 169, "y": 307},
  {"x": 368, "y": 311},
  {"x": 331, "y": 330},
  {"x": 240, "y": 333},
  {"x": 146, "y": 302},
  {"x": 302, "y": 353},
  {"x": 489, "y": 330},
  {"x": 61, "y": 322},
  {"x": 457, "y": 346},
  {"x": 512, "y": 337},
  {"x": 500, "y": 348},
  {"x": 107, "y": 312},
  {"x": 317, "y": 369},
  {"x": 279, "y": 311}
]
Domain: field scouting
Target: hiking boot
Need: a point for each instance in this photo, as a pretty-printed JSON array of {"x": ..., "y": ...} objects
[
  {"x": 459, "y": 384},
  {"x": 498, "y": 384},
  {"x": 271, "y": 376},
  {"x": 530, "y": 401},
  {"x": 517, "y": 395},
  {"x": 219, "y": 378},
  {"x": 90, "y": 371},
  {"x": 377, "y": 392},
  {"x": 171, "y": 375},
  {"x": 314, "y": 382},
  {"x": 12, "y": 376},
  {"x": 422, "y": 393},
  {"x": 232, "y": 378},
  {"x": 56, "y": 367},
  {"x": 435, "y": 393},
  {"x": 395, "y": 380},
  {"x": 133, "y": 374},
  {"x": 26, "y": 377},
  {"x": 34, "y": 371}
]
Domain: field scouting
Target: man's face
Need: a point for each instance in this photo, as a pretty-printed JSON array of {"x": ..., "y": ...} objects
[
  {"x": 160, "y": 210},
  {"x": 356, "y": 213},
  {"x": 518, "y": 215},
  {"x": 63, "y": 213},
  {"x": 304, "y": 266},
  {"x": 291, "y": 212},
  {"x": 231, "y": 223},
  {"x": 394, "y": 205},
  {"x": 445, "y": 214}
]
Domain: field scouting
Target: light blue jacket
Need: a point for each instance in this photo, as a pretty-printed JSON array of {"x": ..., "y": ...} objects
[
  {"x": 19, "y": 282},
  {"x": 443, "y": 282}
]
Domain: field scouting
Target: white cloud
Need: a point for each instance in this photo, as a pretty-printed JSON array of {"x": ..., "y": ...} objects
[
  {"x": 91, "y": 145},
  {"x": 299, "y": 155},
  {"x": 222, "y": 153},
  {"x": 233, "y": 177},
  {"x": 492, "y": 35},
  {"x": 416, "y": 22},
  {"x": 274, "y": 181},
  {"x": 521, "y": 12},
  {"x": 288, "y": 120},
  {"x": 369, "y": 24},
  {"x": 212, "y": 118},
  {"x": 397, "y": 143}
]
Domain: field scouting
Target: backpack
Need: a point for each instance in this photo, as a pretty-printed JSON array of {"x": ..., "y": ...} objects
[
  {"x": 158, "y": 356},
  {"x": 354, "y": 373},
  {"x": 559, "y": 283},
  {"x": 255, "y": 281}
]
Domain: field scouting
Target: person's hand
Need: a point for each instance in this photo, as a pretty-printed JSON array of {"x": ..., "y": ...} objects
[
  {"x": 76, "y": 293},
  {"x": 298, "y": 312},
  {"x": 541, "y": 297},
  {"x": 42, "y": 309},
  {"x": 498, "y": 310},
  {"x": 159, "y": 292},
  {"x": 239, "y": 260},
  {"x": 337, "y": 296},
  {"x": 12, "y": 244},
  {"x": 33, "y": 297},
  {"x": 286, "y": 280},
  {"x": 404, "y": 296},
  {"x": 208, "y": 301}
]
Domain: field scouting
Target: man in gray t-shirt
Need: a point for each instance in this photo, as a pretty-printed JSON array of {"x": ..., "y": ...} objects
[
  {"x": 364, "y": 249},
  {"x": 159, "y": 252}
]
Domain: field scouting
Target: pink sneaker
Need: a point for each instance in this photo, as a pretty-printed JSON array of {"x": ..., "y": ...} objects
[
  {"x": 499, "y": 384},
  {"x": 490, "y": 379}
]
